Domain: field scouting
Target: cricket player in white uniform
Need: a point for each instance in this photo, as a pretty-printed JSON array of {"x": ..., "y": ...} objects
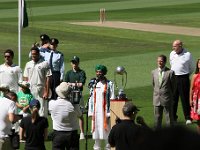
[
  {"x": 10, "y": 74},
  {"x": 38, "y": 73}
]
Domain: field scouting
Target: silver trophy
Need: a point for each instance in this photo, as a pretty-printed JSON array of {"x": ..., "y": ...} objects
[{"x": 120, "y": 79}]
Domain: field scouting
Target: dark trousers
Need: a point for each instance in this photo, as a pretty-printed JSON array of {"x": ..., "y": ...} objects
[
  {"x": 182, "y": 91},
  {"x": 65, "y": 140},
  {"x": 54, "y": 83}
]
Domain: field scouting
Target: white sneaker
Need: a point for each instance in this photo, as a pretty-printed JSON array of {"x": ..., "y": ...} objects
[
  {"x": 188, "y": 122},
  {"x": 22, "y": 141},
  {"x": 82, "y": 136},
  {"x": 107, "y": 147}
]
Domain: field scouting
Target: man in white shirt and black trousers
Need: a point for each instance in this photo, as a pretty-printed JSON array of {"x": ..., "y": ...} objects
[
  {"x": 65, "y": 114},
  {"x": 182, "y": 64}
]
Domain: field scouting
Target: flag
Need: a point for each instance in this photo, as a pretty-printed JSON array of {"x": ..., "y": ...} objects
[{"x": 24, "y": 15}]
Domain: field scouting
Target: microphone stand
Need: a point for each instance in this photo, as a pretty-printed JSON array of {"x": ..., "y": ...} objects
[
  {"x": 86, "y": 135},
  {"x": 117, "y": 119},
  {"x": 91, "y": 86}
]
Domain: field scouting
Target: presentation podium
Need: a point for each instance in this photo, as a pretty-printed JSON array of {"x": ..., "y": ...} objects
[{"x": 116, "y": 106}]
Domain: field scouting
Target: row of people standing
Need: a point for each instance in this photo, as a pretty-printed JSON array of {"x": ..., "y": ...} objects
[
  {"x": 45, "y": 70},
  {"x": 64, "y": 113},
  {"x": 33, "y": 127},
  {"x": 49, "y": 52},
  {"x": 11, "y": 75},
  {"x": 101, "y": 93},
  {"x": 39, "y": 70},
  {"x": 38, "y": 73},
  {"x": 75, "y": 76},
  {"x": 171, "y": 84},
  {"x": 168, "y": 86}
]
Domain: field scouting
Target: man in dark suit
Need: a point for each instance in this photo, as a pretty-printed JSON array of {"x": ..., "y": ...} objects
[{"x": 163, "y": 80}]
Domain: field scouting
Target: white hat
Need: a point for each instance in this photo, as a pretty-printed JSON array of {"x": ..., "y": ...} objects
[
  {"x": 63, "y": 90},
  {"x": 4, "y": 87},
  {"x": 24, "y": 84}
]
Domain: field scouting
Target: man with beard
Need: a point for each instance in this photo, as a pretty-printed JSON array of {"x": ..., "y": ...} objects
[{"x": 102, "y": 91}]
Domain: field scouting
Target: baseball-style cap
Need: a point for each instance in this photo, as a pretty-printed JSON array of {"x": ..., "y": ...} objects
[
  {"x": 44, "y": 37},
  {"x": 129, "y": 108},
  {"x": 75, "y": 59},
  {"x": 34, "y": 103},
  {"x": 54, "y": 41}
]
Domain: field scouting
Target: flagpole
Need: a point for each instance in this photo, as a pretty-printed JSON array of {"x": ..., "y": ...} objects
[{"x": 19, "y": 31}]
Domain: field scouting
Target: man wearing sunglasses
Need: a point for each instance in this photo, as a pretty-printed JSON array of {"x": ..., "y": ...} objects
[{"x": 10, "y": 73}]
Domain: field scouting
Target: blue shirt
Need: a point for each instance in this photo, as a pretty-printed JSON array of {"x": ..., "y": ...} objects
[
  {"x": 43, "y": 51},
  {"x": 57, "y": 62}
]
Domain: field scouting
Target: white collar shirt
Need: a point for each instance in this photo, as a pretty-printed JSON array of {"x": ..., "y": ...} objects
[
  {"x": 182, "y": 63},
  {"x": 37, "y": 72},
  {"x": 10, "y": 75}
]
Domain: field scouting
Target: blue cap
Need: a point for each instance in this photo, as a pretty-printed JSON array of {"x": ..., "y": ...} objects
[{"x": 34, "y": 103}]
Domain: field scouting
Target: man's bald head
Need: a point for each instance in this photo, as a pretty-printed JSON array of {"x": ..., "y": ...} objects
[{"x": 177, "y": 46}]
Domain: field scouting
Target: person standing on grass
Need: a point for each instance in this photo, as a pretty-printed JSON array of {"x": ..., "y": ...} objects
[
  {"x": 163, "y": 80},
  {"x": 99, "y": 107},
  {"x": 182, "y": 64},
  {"x": 76, "y": 77},
  {"x": 34, "y": 128},
  {"x": 56, "y": 62},
  {"x": 195, "y": 96},
  {"x": 10, "y": 74},
  {"x": 38, "y": 73},
  {"x": 64, "y": 115}
]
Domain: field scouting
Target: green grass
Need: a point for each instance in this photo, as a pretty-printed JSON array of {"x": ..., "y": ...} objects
[{"x": 135, "y": 50}]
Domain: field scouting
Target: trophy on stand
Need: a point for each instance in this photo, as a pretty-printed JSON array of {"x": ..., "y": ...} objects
[
  {"x": 121, "y": 73},
  {"x": 116, "y": 105}
]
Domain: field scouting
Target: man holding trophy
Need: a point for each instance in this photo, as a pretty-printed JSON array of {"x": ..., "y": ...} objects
[{"x": 101, "y": 91}]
